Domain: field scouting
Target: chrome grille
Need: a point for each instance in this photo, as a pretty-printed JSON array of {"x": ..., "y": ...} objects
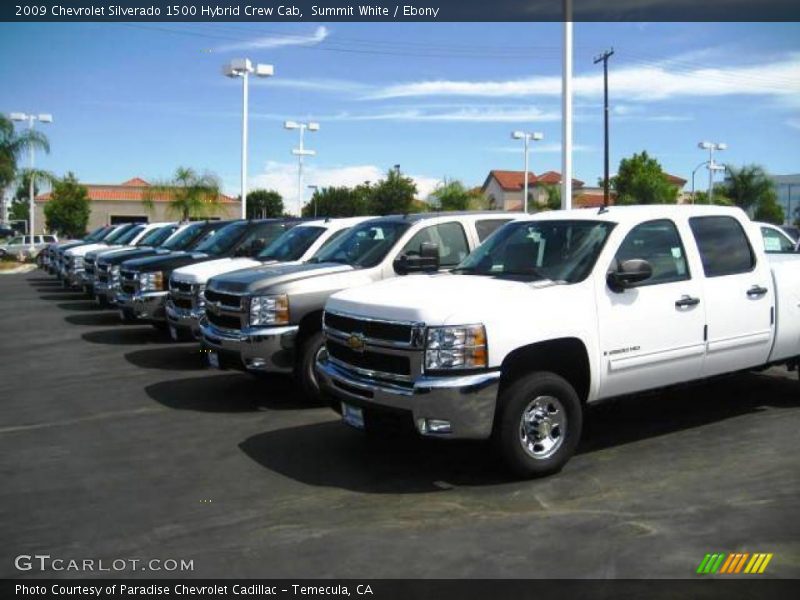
[{"x": 129, "y": 281}]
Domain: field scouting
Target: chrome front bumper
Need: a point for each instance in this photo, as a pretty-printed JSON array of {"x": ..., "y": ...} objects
[
  {"x": 185, "y": 319},
  {"x": 467, "y": 402},
  {"x": 146, "y": 306},
  {"x": 77, "y": 279},
  {"x": 268, "y": 349},
  {"x": 103, "y": 291}
]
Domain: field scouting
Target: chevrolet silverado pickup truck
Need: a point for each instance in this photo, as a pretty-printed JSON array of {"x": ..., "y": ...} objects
[
  {"x": 144, "y": 281},
  {"x": 48, "y": 255},
  {"x": 269, "y": 319},
  {"x": 58, "y": 267},
  {"x": 67, "y": 264},
  {"x": 186, "y": 301},
  {"x": 133, "y": 238},
  {"x": 557, "y": 311},
  {"x": 185, "y": 237},
  {"x": 74, "y": 273}
]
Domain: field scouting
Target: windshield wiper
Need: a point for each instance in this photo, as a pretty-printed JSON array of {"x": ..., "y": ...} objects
[{"x": 527, "y": 273}]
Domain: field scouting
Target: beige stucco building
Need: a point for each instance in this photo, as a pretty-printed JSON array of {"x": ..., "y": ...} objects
[{"x": 125, "y": 202}]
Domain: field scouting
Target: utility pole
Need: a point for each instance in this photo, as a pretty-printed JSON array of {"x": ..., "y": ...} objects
[
  {"x": 604, "y": 59},
  {"x": 566, "y": 109}
]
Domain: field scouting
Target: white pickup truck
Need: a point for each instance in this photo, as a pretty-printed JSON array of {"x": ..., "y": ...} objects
[{"x": 556, "y": 311}]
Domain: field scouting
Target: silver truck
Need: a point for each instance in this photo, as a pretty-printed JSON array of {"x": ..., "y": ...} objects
[{"x": 269, "y": 319}]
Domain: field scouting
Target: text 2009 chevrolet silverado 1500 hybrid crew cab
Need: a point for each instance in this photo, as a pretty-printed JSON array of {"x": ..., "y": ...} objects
[
  {"x": 186, "y": 301},
  {"x": 269, "y": 319},
  {"x": 144, "y": 281},
  {"x": 556, "y": 311}
]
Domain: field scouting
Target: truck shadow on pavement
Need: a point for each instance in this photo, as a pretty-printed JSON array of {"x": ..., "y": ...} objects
[
  {"x": 177, "y": 357},
  {"x": 228, "y": 392},
  {"x": 123, "y": 336},
  {"x": 64, "y": 296},
  {"x": 83, "y": 306},
  {"x": 97, "y": 319},
  {"x": 332, "y": 455}
]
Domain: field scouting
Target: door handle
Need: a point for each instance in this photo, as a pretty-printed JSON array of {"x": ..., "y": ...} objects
[
  {"x": 757, "y": 290},
  {"x": 687, "y": 301}
]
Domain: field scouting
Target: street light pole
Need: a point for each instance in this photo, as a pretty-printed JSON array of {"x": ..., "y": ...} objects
[
  {"x": 711, "y": 147},
  {"x": 300, "y": 152},
  {"x": 526, "y": 137},
  {"x": 705, "y": 162},
  {"x": 43, "y": 118},
  {"x": 604, "y": 59},
  {"x": 242, "y": 67},
  {"x": 566, "y": 109}
]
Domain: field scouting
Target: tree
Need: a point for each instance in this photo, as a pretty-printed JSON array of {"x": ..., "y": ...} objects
[
  {"x": 13, "y": 146},
  {"x": 749, "y": 187},
  {"x": 553, "y": 201},
  {"x": 451, "y": 195},
  {"x": 264, "y": 204},
  {"x": 191, "y": 195},
  {"x": 393, "y": 195},
  {"x": 769, "y": 210},
  {"x": 67, "y": 211},
  {"x": 337, "y": 202},
  {"x": 641, "y": 180},
  {"x": 717, "y": 197},
  {"x": 19, "y": 203}
]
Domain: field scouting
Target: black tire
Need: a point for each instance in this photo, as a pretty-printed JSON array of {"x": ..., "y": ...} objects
[
  {"x": 304, "y": 373},
  {"x": 541, "y": 393}
]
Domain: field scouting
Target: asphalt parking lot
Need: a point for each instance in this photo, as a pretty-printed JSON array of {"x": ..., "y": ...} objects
[{"x": 116, "y": 443}]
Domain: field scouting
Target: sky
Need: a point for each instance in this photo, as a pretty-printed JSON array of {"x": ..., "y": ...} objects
[{"x": 439, "y": 99}]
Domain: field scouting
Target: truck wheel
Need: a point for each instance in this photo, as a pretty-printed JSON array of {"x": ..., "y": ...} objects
[
  {"x": 539, "y": 424},
  {"x": 304, "y": 373}
]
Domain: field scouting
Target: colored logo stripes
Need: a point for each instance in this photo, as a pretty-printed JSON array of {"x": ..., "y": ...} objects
[{"x": 734, "y": 563}]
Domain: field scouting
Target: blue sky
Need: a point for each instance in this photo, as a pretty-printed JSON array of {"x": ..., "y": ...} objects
[{"x": 440, "y": 99}]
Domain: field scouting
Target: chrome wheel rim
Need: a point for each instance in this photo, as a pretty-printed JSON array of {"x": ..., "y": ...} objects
[{"x": 542, "y": 427}]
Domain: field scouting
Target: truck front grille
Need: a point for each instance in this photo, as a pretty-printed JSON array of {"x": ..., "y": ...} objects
[
  {"x": 224, "y": 299},
  {"x": 377, "y": 330},
  {"x": 224, "y": 321},
  {"x": 370, "y": 360}
]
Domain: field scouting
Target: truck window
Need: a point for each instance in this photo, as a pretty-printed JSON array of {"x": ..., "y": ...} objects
[
  {"x": 659, "y": 243},
  {"x": 486, "y": 227},
  {"x": 775, "y": 242},
  {"x": 291, "y": 244},
  {"x": 364, "y": 245},
  {"x": 449, "y": 237},
  {"x": 723, "y": 246},
  {"x": 334, "y": 236}
]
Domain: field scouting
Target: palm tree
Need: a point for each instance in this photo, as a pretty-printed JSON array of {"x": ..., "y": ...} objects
[
  {"x": 191, "y": 194},
  {"x": 13, "y": 145},
  {"x": 748, "y": 187}
]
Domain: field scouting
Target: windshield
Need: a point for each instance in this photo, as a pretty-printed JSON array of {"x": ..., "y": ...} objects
[
  {"x": 292, "y": 244},
  {"x": 157, "y": 236},
  {"x": 563, "y": 251},
  {"x": 223, "y": 240},
  {"x": 116, "y": 234},
  {"x": 97, "y": 234},
  {"x": 364, "y": 245},
  {"x": 126, "y": 237}
]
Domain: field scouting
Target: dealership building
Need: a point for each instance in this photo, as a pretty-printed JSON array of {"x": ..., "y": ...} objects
[{"x": 125, "y": 202}]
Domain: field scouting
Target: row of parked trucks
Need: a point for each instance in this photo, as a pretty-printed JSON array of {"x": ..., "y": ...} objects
[{"x": 481, "y": 325}]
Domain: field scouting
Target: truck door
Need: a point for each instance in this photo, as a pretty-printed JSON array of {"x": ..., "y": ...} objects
[
  {"x": 738, "y": 294},
  {"x": 651, "y": 335}
]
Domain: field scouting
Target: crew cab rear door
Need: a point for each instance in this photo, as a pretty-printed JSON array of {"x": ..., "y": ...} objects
[
  {"x": 738, "y": 295},
  {"x": 651, "y": 335}
]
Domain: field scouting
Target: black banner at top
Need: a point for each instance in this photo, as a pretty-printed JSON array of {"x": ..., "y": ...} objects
[{"x": 399, "y": 10}]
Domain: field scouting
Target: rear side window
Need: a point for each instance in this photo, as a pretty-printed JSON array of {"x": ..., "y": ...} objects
[
  {"x": 487, "y": 227},
  {"x": 723, "y": 245},
  {"x": 449, "y": 237},
  {"x": 776, "y": 242}
]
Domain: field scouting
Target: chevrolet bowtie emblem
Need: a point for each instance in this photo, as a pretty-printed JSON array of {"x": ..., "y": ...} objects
[{"x": 356, "y": 342}]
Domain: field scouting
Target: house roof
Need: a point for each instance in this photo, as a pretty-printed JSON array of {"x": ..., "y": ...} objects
[
  {"x": 131, "y": 190},
  {"x": 592, "y": 198},
  {"x": 675, "y": 180},
  {"x": 512, "y": 181}
]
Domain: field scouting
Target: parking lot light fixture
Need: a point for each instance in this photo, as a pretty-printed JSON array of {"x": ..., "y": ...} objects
[
  {"x": 526, "y": 137},
  {"x": 300, "y": 152},
  {"x": 712, "y": 147},
  {"x": 242, "y": 67},
  {"x": 31, "y": 119}
]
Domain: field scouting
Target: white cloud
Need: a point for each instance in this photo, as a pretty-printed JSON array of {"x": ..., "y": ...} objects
[
  {"x": 343, "y": 86},
  {"x": 794, "y": 123},
  {"x": 481, "y": 114},
  {"x": 780, "y": 78},
  {"x": 279, "y": 41},
  {"x": 282, "y": 177}
]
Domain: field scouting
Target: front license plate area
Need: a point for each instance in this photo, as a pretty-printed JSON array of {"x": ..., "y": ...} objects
[
  {"x": 213, "y": 359},
  {"x": 353, "y": 416}
]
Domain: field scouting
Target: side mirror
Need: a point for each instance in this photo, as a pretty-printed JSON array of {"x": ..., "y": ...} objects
[
  {"x": 427, "y": 261},
  {"x": 628, "y": 274}
]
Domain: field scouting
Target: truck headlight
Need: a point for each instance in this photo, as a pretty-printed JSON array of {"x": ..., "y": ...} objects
[
  {"x": 151, "y": 282},
  {"x": 458, "y": 347},
  {"x": 113, "y": 276},
  {"x": 269, "y": 310}
]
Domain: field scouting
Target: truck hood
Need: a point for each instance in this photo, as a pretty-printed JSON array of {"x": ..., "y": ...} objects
[
  {"x": 202, "y": 272},
  {"x": 84, "y": 249},
  {"x": 105, "y": 250},
  {"x": 119, "y": 256},
  {"x": 269, "y": 276},
  {"x": 165, "y": 262},
  {"x": 440, "y": 299}
]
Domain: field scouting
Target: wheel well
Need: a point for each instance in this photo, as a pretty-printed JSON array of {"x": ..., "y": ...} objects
[
  {"x": 566, "y": 357},
  {"x": 309, "y": 325}
]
